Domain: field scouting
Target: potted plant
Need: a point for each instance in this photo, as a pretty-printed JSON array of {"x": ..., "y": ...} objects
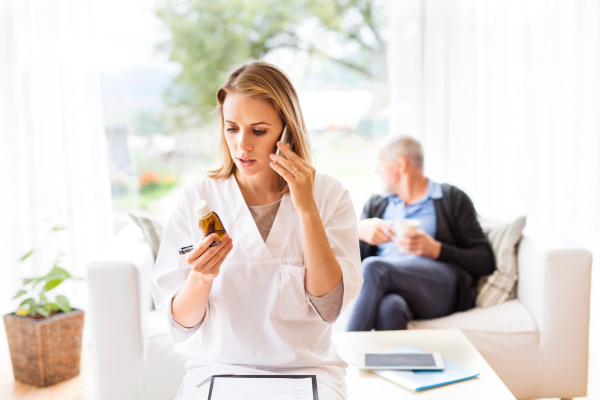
[{"x": 44, "y": 333}]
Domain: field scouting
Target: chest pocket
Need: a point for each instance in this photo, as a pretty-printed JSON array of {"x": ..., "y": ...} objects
[{"x": 292, "y": 303}]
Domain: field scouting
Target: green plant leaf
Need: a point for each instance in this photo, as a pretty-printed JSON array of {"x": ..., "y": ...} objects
[
  {"x": 58, "y": 228},
  {"x": 63, "y": 303},
  {"x": 52, "y": 284},
  {"x": 59, "y": 271},
  {"x": 45, "y": 313},
  {"x": 26, "y": 255},
  {"x": 48, "y": 307},
  {"x": 36, "y": 281},
  {"x": 26, "y": 301},
  {"x": 51, "y": 277},
  {"x": 52, "y": 306},
  {"x": 27, "y": 281},
  {"x": 33, "y": 307},
  {"x": 20, "y": 293}
]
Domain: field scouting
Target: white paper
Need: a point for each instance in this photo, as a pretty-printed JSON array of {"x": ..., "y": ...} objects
[{"x": 225, "y": 388}]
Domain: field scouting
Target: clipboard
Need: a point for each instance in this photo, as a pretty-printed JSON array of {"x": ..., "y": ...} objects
[{"x": 315, "y": 393}]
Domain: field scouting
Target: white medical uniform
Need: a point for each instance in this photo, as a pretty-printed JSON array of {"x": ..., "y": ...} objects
[{"x": 259, "y": 319}]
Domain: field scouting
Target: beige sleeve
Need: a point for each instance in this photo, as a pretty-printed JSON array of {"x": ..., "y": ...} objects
[{"x": 329, "y": 305}]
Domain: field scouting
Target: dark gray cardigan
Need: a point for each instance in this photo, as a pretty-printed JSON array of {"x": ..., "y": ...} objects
[{"x": 464, "y": 245}]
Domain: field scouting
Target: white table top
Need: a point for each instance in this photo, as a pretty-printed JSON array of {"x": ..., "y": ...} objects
[{"x": 452, "y": 344}]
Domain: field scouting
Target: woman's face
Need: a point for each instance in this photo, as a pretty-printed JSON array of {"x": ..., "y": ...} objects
[{"x": 252, "y": 129}]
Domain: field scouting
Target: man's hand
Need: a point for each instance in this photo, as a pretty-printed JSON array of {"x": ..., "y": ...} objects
[
  {"x": 375, "y": 231},
  {"x": 419, "y": 243}
]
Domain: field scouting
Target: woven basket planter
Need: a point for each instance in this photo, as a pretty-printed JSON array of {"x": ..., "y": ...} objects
[{"x": 45, "y": 351}]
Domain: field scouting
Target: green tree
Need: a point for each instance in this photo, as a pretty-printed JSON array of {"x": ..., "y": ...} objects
[{"x": 209, "y": 37}]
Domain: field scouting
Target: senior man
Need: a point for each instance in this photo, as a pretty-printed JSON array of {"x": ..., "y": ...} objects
[{"x": 425, "y": 274}]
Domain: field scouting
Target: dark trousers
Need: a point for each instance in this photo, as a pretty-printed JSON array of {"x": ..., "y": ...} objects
[{"x": 396, "y": 291}]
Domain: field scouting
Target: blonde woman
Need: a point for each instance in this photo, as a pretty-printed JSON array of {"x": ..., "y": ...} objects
[{"x": 263, "y": 300}]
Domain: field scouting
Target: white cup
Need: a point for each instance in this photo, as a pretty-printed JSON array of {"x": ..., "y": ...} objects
[{"x": 406, "y": 225}]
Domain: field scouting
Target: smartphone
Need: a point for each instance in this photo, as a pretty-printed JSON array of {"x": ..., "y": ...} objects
[
  {"x": 401, "y": 361},
  {"x": 286, "y": 137}
]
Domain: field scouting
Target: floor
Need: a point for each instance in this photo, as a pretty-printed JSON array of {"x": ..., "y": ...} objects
[{"x": 78, "y": 388}]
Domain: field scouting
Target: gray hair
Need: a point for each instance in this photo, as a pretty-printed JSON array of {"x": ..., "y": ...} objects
[{"x": 393, "y": 147}]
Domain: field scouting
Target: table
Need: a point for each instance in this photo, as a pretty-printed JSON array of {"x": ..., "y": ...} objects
[{"x": 452, "y": 344}]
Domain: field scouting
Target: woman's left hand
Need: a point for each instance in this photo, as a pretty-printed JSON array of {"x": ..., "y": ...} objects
[{"x": 299, "y": 175}]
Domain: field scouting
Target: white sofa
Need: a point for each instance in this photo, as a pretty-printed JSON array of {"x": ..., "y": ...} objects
[{"x": 537, "y": 343}]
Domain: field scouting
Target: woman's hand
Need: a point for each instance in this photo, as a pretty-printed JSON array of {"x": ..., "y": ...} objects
[
  {"x": 323, "y": 271},
  {"x": 206, "y": 261},
  {"x": 299, "y": 175}
]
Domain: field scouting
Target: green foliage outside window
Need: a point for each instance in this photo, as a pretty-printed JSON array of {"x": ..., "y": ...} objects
[{"x": 210, "y": 37}]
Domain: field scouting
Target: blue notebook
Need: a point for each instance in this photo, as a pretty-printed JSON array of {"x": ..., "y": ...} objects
[{"x": 421, "y": 380}]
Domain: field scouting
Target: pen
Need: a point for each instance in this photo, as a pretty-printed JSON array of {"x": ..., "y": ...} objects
[{"x": 187, "y": 249}]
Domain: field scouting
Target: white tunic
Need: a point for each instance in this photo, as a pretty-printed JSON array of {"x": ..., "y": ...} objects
[{"x": 259, "y": 319}]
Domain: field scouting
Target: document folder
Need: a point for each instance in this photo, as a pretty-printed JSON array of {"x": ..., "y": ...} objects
[
  {"x": 267, "y": 387},
  {"x": 421, "y": 380}
]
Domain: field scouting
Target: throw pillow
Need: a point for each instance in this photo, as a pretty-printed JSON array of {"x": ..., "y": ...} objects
[
  {"x": 153, "y": 228},
  {"x": 500, "y": 286}
]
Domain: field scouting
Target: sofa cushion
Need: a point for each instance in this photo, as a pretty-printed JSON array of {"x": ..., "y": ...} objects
[
  {"x": 152, "y": 227},
  {"x": 500, "y": 285},
  {"x": 508, "y": 317}
]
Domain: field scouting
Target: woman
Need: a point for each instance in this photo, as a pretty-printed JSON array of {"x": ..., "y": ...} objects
[{"x": 262, "y": 301}]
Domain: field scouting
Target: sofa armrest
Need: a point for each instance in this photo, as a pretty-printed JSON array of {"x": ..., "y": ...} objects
[
  {"x": 554, "y": 284},
  {"x": 115, "y": 302}
]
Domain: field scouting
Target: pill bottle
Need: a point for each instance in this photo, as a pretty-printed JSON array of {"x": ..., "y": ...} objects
[{"x": 208, "y": 221}]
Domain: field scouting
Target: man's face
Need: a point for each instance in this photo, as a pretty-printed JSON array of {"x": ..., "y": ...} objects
[{"x": 388, "y": 172}]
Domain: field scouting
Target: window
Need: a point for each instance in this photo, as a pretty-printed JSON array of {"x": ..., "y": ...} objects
[{"x": 160, "y": 134}]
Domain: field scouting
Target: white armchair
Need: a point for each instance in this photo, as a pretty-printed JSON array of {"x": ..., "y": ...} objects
[
  {"x": 132, "y": 348},
  {"x": 537, "y": 343}
]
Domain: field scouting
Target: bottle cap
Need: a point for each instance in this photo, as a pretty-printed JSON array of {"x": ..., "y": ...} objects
[{"x": 201, "y": 208}]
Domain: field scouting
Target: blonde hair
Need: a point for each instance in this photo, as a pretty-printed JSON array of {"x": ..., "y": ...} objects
[{"x": 262, "y": 81}]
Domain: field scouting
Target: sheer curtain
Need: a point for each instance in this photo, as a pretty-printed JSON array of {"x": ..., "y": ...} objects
[
  {"x": 507, "y": 106},
  {"x": 53, "y": 163}
]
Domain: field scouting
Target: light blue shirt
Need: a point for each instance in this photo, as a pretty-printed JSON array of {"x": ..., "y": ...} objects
[{"x": 422, "y": 209}]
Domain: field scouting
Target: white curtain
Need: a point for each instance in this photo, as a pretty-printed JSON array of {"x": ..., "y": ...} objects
[
  {"x": 53, "y": 162},
  {"x": 507, "y": 105}
]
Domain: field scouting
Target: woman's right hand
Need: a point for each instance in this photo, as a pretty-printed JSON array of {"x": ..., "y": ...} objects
[{"x": 206, "y": 261}]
